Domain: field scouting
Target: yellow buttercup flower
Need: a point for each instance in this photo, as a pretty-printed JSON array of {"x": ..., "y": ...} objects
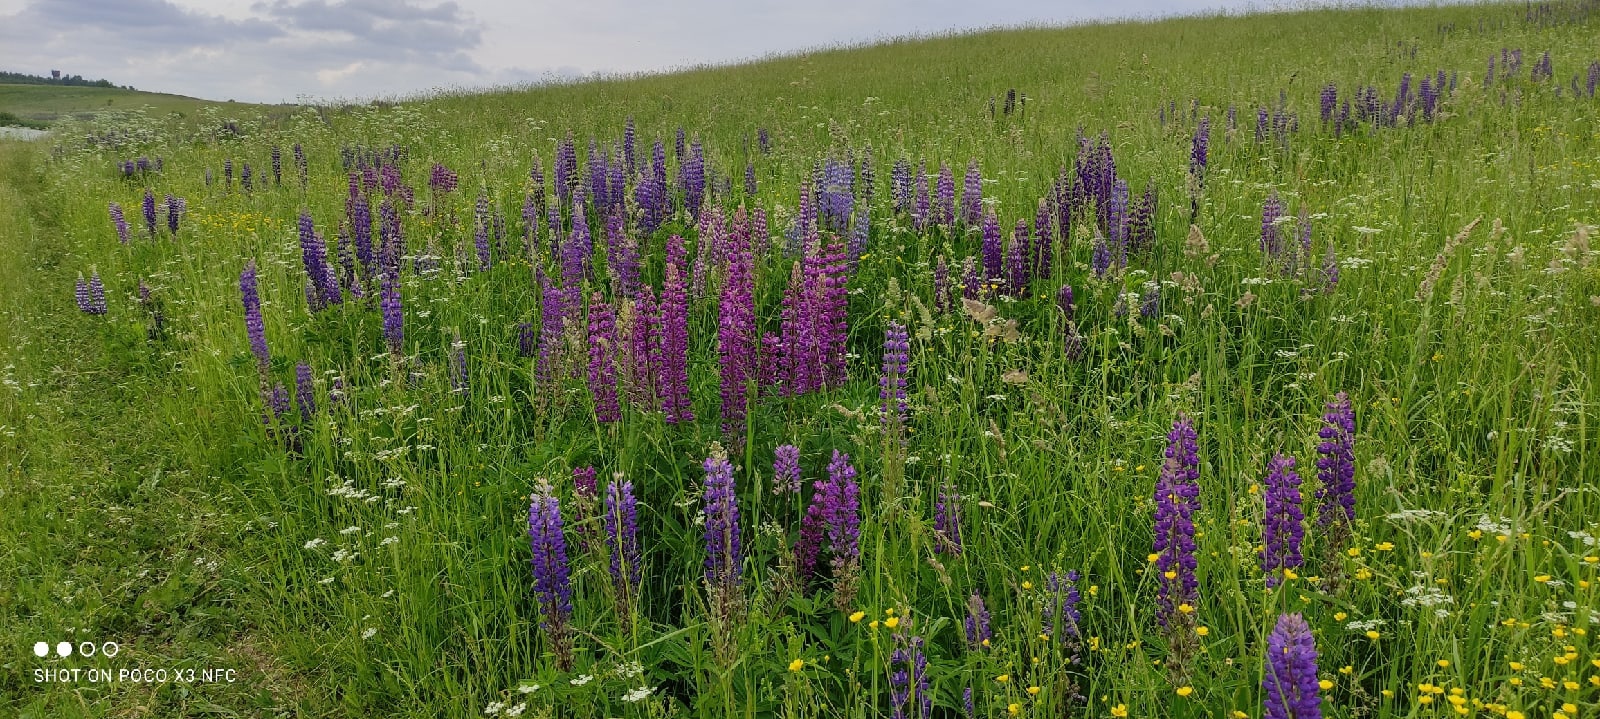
[
  {"x": 891, "y": 622},
  {"x": 796, "y": 665},
  {"x": 857, "y": 617},
  {"x": 1184, "y": 691},
  {"x": 1120, "y": 710}
]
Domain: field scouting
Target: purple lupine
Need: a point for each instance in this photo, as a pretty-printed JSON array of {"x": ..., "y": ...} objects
[
  {"x": 1064, "y": 301},
  {"x": 552, "y": 328},
  {"x": 1043, "y": 256},
  {"x": 322, "y": 287},
  {"x": 1290, "y": 685},
  {"x": 552, "y": 582},
  {"x": 1336, "y": 469},
  {"x": 944, "y": 204},
  {"x": 278, "y": 402},
  {"x": 1329, "y": 99},
  {"x": 892, "y": 385},
  {"x": 674, "y": 358},
  {"x": 977, "y": 624},
  {"x": 1060, "y": 609},
  {"x": 1017, "y": 261},
  {"x": 1271, "y": 240},
  {"x": 175, "y": 207},
  {"x": 1150, "y": 301},
  {"x": 909, "y": 678},
  {"x": 576, "y": 251},
  {"x": 119, "y": 222},
  {"x": 736, "y": 334},
  {"x": 300, "y": 164},
  {"x": 644, "y": 343},
  {"x": 900, "y": 185},
  {"x": 254, "y": 325},
  {"x": 1100, "y": 257},
  {"x": 972, "y": 195},
  {"x": 993, "y": 269},
  {"x": 786, "y": 469},
  {"x": 840, "y": 498},
  {"x": 246, "y": 179},
  {"x": 586, "y": 482},
  {"x": 920, "y": 210},
  {"x": 1282, "y": 526},
  {"x": 81, "y": 293},
  {"x": 442, "y": 179},
  {"x": 393, "y": 316},
  {"x": 1177, "y": 497},
  {"x": 694, "y": 180},
  {"x": 458, "y": 364},
  {"x": 721, "y": 506},
  {"x": 622, "y": 541},
  {"x": 832, "y": 317},
  {"x": 972, "y": 285},
  {"x": 305, "y": 392},
  {"x": 808, "y": 547},
  {"x": 763, "y": 140},
  {"x": 603, "y": 360},
  {"x": 150, "y": 211},
  {"x": 480, "y": 235},
  {"x": 947, "y": 521},
  {"x": 527, "y": 339}
]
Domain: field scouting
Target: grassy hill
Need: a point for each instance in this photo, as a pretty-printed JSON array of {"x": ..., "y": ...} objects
[
  {"x": 297, "y": 437},
  {"x": 51, "y": 103}
]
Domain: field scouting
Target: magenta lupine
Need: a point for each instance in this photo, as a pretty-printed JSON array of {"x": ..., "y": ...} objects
[
  {"x": 892, "y": 384},
  {"x": 1282, "y": 525},
  {"x": 622, "y": 541},
  {"x": 834, "y": 319},
  {"x": 1336, "y": 469},
  {"x": 736, "y": 335},
  {"x": 840, "y": 498},
  {"x": 947, "y": 521},
  {"x": 972, "y": 195},
  {"x": 1290, "y": 686},
  {"x": 723, "y": 559},
  {"x": 254, "y": 325},
  {"x": 119, "y": 222},
  {"x": 786, "y": 469},
  {"x": 551, "y": 575},
  {"x": 1177, "y": 497},
  {"x": 644, "y": 345},
  {"x": 603, "y": 360},
  {"x": 673, "y": 374}
]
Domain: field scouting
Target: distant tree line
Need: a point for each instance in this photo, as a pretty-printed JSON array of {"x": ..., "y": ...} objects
[{"x": 56, "y": 78}]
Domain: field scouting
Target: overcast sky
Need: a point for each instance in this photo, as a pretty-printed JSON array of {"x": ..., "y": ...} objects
[{"x": 285, "y": 50}]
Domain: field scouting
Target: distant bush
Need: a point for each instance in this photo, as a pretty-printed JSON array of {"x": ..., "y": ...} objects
[{"x": 10, "y": 120}]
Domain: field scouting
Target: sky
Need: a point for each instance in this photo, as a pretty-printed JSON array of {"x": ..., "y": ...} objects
[{"x": 330, "y": 50}]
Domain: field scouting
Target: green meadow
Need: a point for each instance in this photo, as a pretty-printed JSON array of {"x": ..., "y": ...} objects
[{"x": 367, "y": 553}]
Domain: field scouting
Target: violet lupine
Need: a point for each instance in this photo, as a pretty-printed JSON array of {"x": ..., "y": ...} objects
[
  {"x": 972, "y": 195},
  {"x": 393, "y": 315},
  {"x": 1177, "y": 497},
  {"x": 944, "y": 205},
  {"x": 920, "y": 209},
  {"x": 246, "y": 179},
  {"x": 552, "y": 582},
  {"x": 892, "y": 385},
  {"x": 119, "y": 222},
  {"x": 644, "y": 345},
  {"x": 1282, "y": 527},
  {"x": 1100, "y": 257},
  {"x": 1017, "y": 261},
  {"x": 1150, "y": 301},
  {"x": 947, "y": 521},
  {"x": 552, "y": 328},
  {"x": 85, "y": 297},
  {"x": 1336, "y": 469},
  {"x": 909, "y": 680},
  {"x": 622, "y": 541},
  {"x": 993, "y": 269},
  {"x": 1065, "y": 302},
  {"x": 786, "y": 469},
  {"x": 1290, "y": 686},
  {"x": 150, "y": 211},
  {"x": 673, "y": 369},
  {"x": 736, "y": 335},
  {"x": 1060, "y": 610},
  {"x": 305, "y": 391},
  {"x": 840, "y": 498},
  {"x": 603, "y": 360},
  {"x": 442, "y": 179},
  {"x": 175, "y": 207},
  {"x": 254, "y": 325},
  {"x": 971, "y": 281},
  {"x": 527, "y": 339},
  {"x": 458, "y": 364},
  {"x": 723, "y": 559},
  {"x": 694, "y": 180},
  {"x": 900, "y": 185},
  {"x": 1043, "y": 255},
  {"x": 323, "y": 284},
  {"x": 1271, "y": 240},
  {"x": 977, "y": 624}
]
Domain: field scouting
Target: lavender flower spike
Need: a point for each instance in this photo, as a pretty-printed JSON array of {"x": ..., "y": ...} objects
[
  {"x": 622, "y": 539},
  {"x": 254, "y": 325},
  {"x": 786, "y": 469},
  {"x": 1177, "y": 496},
  {"x": 1282, "y": 528},
  {"x": 1290, "y": 683},
  {"x": 551, "y": 574},
  {"x": 1337, "y": 470},
  {"x": 723, "y": 563}
]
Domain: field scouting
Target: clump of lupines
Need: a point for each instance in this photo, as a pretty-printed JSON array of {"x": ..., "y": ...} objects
[
  {"x": 786, "y": 469},
  {"x": 91, "y": 295},
  {"x": 323, "y": 284},
  {"x": 602, "y": 360},
  {"x": 1177, "y": 497},
  {"x": 1336, "y": 470},
  {"x": 908, "y": 680},
  {"x": 673, "y": 367},
  {"x": 1290, "y": 686},
  {"x": 622, "y": 541},
  {"x": 254, "y": 324},
  {"x": 1282, "y": 526},
  {"x": 892, "y": 385},
  {"x": 551, "y": 573},
  {"x": 442, "y": 179},
  {"x": 119, "y": 222}
]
